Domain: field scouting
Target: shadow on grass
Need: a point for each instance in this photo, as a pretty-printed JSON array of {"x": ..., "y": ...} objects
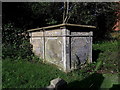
[
  {"x": 115, "y": 87},
  {"x": 95, "y": 54},
  {"x": 93, "y": 81}
]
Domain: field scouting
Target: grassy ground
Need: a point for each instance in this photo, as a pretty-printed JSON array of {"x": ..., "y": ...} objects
[
  {"x": 24, "y": 74},
  {"x": 107, "y": 52},
  {"x": 102, "y": 73}
]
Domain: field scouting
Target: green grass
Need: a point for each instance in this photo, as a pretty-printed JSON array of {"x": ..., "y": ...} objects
[
  {"x": 109, "y": 80},
  {"x": 108, "y": 55},
  {"x": 25, "y": 74}
]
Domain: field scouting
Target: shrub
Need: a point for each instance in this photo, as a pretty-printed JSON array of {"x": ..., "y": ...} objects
[
  {"x": 13, "y": 51},
  {"x": 15, "y": 42}
]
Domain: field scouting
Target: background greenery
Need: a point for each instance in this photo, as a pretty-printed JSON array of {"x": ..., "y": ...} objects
[{"x": 19, "y": 17}]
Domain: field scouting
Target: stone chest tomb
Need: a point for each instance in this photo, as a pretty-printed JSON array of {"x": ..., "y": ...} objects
[{"x": 68, "y": 46}]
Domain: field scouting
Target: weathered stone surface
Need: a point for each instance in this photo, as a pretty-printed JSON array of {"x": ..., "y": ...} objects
[
  {"x": 40, "y": 33},
  {"x": 68, "y": 48},
  {"x": 58, "y": 83},
  {"x": 53, "y": 50},
  {"x": 54, "y": 32},
  {"x": 80, "y": 49},
  {"x": 50, "y": 87},
  {"x": 38, "y": 46}
]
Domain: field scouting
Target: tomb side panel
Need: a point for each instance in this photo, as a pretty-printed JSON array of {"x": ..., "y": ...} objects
[
  {"x": 80, "y": 49},
  {"x": 37, "y": 43},
  {"x": 53, "y": 47},
  {"x": 53, "y": 50}
]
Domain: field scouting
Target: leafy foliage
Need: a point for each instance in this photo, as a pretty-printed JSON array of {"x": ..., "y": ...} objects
[
  {"x": 18, "y": 17},
  {"x": 10, "y": 34},
  {"x": 14, "y": 43},
  {"x": 24, "y": 50},
  {"x": 38, "y": 14},
  {"x": 102, "y": 15},
  {"x": 30, "y": 15}
]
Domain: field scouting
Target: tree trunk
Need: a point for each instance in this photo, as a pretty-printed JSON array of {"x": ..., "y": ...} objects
[{"x": 65, "y": 13}]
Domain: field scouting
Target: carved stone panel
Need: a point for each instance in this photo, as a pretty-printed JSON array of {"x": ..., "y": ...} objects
[
  {"x": 66, "y": 48},
  {"x": 38, "y": 46},
  {"x": 80, "y": 51},
  {"x": 53, "y": 50}
]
